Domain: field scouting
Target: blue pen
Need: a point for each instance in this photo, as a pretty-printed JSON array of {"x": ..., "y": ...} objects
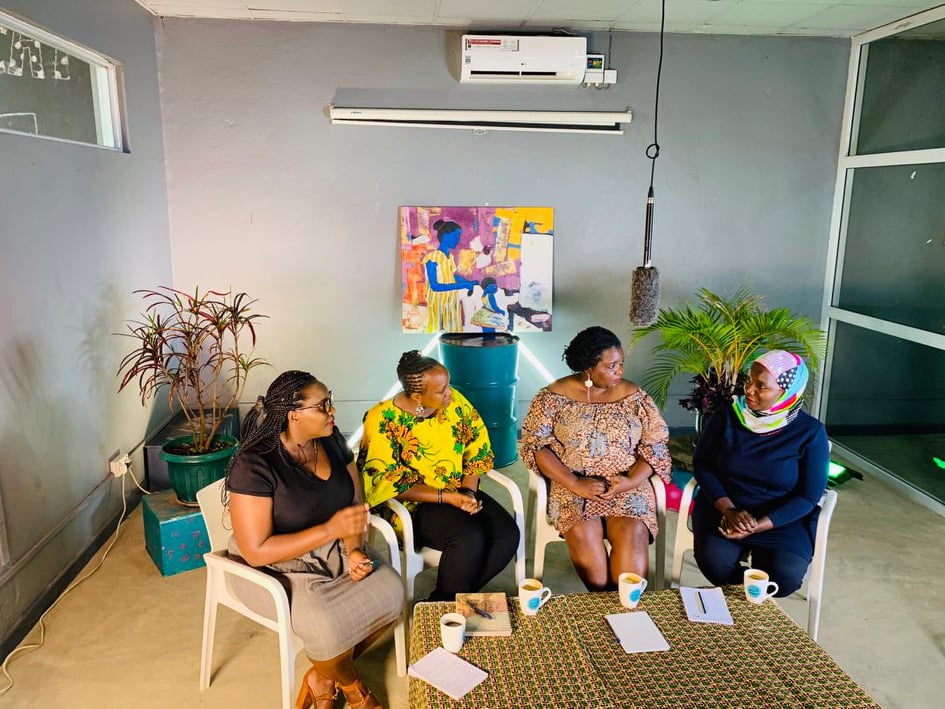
[{"x": 484, "y": 614}]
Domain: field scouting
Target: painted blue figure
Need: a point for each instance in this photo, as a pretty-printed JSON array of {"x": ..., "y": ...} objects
[
  {"x": 444, "y": 312},
  {"x": 490, "y": 314}
]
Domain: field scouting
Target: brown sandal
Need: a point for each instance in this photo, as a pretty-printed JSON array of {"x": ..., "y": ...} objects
[
  {"x": 307, "y": 697},
  {"x": 359, "y": 696}
]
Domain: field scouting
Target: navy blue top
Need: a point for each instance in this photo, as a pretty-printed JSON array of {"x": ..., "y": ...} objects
[{"x": 781, "y": 475}]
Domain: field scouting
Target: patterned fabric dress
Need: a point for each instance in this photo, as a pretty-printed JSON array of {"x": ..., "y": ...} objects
[
  {"x": 444, "y": 311},
  {"x": 602, "y": 439},
  {"x": 398, "y": 450}
]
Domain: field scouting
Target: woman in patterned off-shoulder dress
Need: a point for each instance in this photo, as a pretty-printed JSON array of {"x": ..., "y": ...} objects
[{"x": 597, "y": 438}]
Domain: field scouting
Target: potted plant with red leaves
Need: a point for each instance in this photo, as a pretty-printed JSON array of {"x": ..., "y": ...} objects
[{"x": 199, "y": 348}]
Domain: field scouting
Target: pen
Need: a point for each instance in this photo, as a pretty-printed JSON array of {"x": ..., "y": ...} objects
[
  {"x": 701, "y": 604},
  {"x": 484, "y": 614}
]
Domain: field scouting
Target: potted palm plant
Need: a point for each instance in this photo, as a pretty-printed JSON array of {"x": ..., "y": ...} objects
[
  {"x": 716, "y": 339},
  {"x": 199, "y": 347}
]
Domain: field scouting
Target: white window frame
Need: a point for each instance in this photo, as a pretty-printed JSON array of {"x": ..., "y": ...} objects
[
  {"x": 107, "y": 95},
  {"x": 848, "y": 160}
]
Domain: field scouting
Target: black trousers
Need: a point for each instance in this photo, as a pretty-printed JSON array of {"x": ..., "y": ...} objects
[{"x": 475, "y": 547}]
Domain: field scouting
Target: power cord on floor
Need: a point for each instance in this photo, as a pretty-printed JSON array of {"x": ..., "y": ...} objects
[{"x": 42, "y": 626}]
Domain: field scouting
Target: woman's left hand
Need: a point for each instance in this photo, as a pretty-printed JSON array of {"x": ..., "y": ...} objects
[
  {"x": 617, "y": 485},
  {"x": 359, "y": 565}
]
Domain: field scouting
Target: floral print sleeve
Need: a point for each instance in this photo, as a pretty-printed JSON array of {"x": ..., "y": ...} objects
[
  {"x": 653, "y": 446},
  {"x": 538, "y": 429},
  {"x": 471, "y": 436}
]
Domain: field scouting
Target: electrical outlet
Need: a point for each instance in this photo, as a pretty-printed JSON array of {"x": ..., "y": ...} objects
[{"x": 118, "y": 464}]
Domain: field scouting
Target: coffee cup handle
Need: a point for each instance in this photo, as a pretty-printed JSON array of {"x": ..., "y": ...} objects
[
  {"x": 642, "y": 585},
  {"x": 769, "y": 592},
  {"x": 545, "y": 595}
]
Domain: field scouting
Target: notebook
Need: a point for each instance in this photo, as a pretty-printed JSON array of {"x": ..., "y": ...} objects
[
  {"x": 637, "y": 632},
  {"x": 706, "y": 605},
  {"x": 494, "y": 604},
  {"x": 447, "y": 672}
]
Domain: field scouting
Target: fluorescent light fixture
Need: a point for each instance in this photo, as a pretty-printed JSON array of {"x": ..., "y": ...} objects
[{"x": 605, "y": 122}]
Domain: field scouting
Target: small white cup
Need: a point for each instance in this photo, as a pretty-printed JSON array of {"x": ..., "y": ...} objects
[
  {"x": 631, "y": 586},
  {"x": 532, "y": 596},
  {"x": 758, "y": 587},
  {"x": 453, "y": 631}
]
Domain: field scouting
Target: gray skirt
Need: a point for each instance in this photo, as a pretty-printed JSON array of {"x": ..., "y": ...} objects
[{"x": 331, "y": 612}]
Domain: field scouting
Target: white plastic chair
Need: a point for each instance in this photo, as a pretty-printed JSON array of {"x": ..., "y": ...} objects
[
  {"x": 221, "y": 569},
  {"x": 545, "y": 532},
  {"x": 415, "y": 560},
  {"x": 815, "y": 573}
]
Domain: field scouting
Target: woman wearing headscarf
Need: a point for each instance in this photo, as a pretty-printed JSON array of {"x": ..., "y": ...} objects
[{"x": 761, "y": 465}]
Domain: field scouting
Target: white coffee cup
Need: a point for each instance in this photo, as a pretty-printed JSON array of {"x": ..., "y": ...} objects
[
  {"x": 453, "y": 631},
  {"x": 758, "y": 587},
  {"x": 631, "y": 586},
  {"x": 532, "y": 596}
]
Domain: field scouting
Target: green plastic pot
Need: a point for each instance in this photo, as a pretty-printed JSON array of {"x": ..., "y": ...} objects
[{"x": 190, "y": 473}]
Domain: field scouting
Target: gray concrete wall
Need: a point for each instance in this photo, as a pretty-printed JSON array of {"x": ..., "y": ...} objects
[
  {"x": 80, "y": 227},
  {"x": 265, "y": 195}
]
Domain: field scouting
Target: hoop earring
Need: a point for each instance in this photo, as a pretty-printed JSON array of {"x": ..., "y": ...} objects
[{"x": 420, "y": 410}]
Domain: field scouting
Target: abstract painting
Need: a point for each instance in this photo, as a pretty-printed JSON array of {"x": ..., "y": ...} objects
[{"x": 476, "y": 269}]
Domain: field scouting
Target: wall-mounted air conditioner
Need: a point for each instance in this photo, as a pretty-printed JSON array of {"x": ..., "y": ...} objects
[{"x": 509, "y": 59}]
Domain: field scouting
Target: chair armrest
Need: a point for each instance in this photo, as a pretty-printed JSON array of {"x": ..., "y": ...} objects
[
  {"x": 406, "y": 524},
  {"x": 382, "y": 526},
  {"x": 222, "y": 565},
  {"x": 518, "y": 509}
]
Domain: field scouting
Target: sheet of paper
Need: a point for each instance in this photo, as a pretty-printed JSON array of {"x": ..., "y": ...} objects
[
  {"x": 447, "y": 672},
  {"x": 637, "y": 632},
  {"x": 706, "y": 605}
]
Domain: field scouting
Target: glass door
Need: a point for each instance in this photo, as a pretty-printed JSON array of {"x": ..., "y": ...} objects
[{"x": 883, "y": 394}]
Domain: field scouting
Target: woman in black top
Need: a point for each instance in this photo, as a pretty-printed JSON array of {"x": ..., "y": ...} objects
[{"x": 297, "y": 509}]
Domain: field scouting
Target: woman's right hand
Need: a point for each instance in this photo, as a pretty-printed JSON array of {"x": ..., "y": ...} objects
[
  {"x": 350, "y": 521},
  {"x": 740, "y": 521},
  {"x": 589, "y": 488},
  {"x": 467, "y": 503}
]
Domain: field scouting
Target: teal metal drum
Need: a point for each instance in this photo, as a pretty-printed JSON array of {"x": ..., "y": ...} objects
[{"x": 484, "y": 367}]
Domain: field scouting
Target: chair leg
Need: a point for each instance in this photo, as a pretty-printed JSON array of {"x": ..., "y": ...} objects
[
  {"x": 400, "y": 645},
  {"x": 287, "y": 666},
  {"x": 538, "y": 562},
  {"x": 209, "y": 628}
]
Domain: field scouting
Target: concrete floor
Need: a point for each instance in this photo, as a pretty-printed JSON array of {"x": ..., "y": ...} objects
[{"x": 127, "y": 637}]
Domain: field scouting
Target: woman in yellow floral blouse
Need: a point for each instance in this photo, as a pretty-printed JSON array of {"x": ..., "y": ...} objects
[{"x": 427, "y": 447}]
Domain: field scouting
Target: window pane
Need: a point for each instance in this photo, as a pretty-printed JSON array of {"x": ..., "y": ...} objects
[
  {"x": 903, "y": 100},
  {"x": 45, "y": 89},
  {"x": 894, "y": 259},
  {"x": 887, "y": 403}
]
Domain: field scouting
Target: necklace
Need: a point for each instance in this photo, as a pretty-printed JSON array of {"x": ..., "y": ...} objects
[{"x": 290, "y": 460}]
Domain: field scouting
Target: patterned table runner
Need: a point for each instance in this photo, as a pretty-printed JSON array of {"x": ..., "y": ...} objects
[{"x": 567, "y": 656}]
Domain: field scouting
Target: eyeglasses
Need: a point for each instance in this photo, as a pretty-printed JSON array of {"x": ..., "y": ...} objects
[{"x": 325, "y": 405}]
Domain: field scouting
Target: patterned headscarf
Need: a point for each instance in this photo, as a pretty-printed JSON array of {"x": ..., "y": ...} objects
[{"x": 791, "y": 374}]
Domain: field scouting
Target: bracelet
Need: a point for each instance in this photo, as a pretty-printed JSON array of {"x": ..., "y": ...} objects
[{"x": 439, "y": 496}]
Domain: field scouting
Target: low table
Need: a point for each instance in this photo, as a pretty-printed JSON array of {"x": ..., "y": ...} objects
[{"x": 567, "y": 656}]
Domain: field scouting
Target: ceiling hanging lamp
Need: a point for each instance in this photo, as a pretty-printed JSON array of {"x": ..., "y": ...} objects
[{"x": 645, "y": 286}]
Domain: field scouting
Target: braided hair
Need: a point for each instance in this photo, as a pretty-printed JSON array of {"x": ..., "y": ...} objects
[
  {"x": 588, "y": 346},
  {"x": 411, "y": 368},
  {"x": 270, "y": 416}
]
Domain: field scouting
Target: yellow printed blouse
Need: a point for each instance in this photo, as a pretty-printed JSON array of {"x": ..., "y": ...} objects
[{"x": 398, "y": 450}]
